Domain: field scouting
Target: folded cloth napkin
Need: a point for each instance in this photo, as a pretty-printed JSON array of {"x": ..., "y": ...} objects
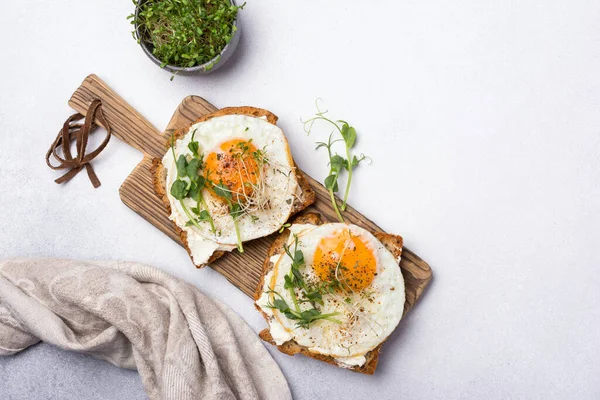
[{"x": 184, "y": 345}]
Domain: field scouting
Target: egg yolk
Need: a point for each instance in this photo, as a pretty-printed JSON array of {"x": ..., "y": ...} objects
[
  {"x": 235, "y": 165},
  {"x": 346, "y": 259}
]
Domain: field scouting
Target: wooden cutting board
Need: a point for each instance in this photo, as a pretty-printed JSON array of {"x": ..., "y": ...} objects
[{"x": 137, "y": 192}]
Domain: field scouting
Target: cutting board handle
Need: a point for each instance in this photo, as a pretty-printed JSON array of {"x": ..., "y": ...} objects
[{"x": 126, "y": 123}]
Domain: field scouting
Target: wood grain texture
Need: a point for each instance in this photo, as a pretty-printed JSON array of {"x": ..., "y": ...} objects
[
  {"x": 242, "y": 270},
  {"x": 126, "y": 123}
]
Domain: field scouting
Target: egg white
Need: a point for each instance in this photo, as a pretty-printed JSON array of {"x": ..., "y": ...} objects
[
  {"x": 281, "y": 185},
  {"x": 379, "y": 306}
]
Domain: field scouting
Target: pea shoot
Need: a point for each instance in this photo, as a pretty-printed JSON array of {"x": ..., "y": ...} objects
[
  {"x": 189, "y": 184},
  {"x": 294, "y": 280},
  {"x": 235, "y": 210},
  {"x": 337, "y": 163}
]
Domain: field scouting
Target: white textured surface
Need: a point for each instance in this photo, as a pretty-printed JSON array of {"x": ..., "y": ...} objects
[{"x": 483, "y": 121}]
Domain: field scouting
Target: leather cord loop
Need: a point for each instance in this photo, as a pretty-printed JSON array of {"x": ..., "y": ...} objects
[{"x": 80, "y": 133}]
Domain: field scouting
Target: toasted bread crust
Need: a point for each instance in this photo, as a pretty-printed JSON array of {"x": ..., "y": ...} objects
[
  {"x": 244, "y": 110},
  {"x": 306, "y": 197},
  {"x": 392, "y": 242}
]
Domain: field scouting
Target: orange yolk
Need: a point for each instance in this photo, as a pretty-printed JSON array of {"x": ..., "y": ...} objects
[
  {"x": 235, "y": 166},
  {"x": 345, "y": 258}
]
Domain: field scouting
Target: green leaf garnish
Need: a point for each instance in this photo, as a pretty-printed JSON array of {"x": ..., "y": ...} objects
[
  {"x": 235, "y": 210},
  {"x": 194, "y": 191},
  {"x": 331, "y": 183},
  {"x": 348, "y": 133},
  {"x": 181, "y": 166},
  {"x": 337, "y": 163},
  {"x": 286, "y": 225},
  {"x": 222, "y": 191},
  {"x": 179, "y": 189},
  {"x": 193, "y": 145},
  {"x": 294, "y": 281},
  {"x": 192, "y": 169},
  {"x": 204, "y": 216},
  {"x": 315, "y": 297}
]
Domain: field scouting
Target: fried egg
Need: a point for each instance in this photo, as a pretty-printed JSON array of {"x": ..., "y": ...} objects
[
  {"x": 361, "y": 284},
  {"x": 251, "y": 158}
]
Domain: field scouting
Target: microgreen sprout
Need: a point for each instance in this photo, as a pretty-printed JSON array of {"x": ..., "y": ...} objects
[
  {"x": 284, "y": 226},
  {"x": 337, "y": 163},
  {"x": 185, "y": 33}
]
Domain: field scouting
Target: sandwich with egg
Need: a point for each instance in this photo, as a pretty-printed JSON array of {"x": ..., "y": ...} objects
[
  {"x": 227, "y": 179},
  {"x": 332, "y": 291}
]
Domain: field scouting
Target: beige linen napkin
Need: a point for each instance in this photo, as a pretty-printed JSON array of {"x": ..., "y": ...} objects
[{"x": 184, "y": 345}]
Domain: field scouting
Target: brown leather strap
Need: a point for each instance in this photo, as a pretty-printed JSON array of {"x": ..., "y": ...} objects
[{"x": 80, "y": 133}]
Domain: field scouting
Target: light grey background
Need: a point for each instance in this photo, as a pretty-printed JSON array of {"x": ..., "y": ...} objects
[{"x": 483, "y": 122}]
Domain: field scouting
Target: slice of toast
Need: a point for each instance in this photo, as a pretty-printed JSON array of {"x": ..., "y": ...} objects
[
  {"x": 305, "y": 197},
  {"x": 392, "y": 242}
]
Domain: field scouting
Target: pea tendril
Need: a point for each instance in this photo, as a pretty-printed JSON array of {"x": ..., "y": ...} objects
[{"x": 337, "y": 163}]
